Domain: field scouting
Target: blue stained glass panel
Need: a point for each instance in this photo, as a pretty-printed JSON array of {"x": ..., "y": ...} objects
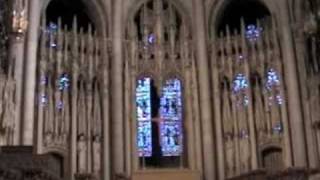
[
  {"x": 43, "y": 100},
  {"x": 273, "y": 79},
  {"x": 253, "y": 32},
  {"x": 151, "y": 39},
  {"x": 239, "y": 86},
  {"x": 52, "y": 30},
  {"x": 272, "y": 85},
  {"x": 171, "y": 115},
  {"x": 64, "y": 82},
  {"x": 143, "y": 105},
  {"x": 171, "y": 102},
  {"x": 171, "y": 138},
  {"x": 144, "y": 139},
  {"x": 240, "y": 83}
]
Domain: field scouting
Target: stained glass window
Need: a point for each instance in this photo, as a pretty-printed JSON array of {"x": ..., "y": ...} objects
[
  {"x": 272, "y": 79},
  {"x": 272, "y": 86},
  {"x": 60, "y": 105},
  {"x": 239, "y": 87},
  {"x": 151, "y": 38},
  {"x": 171, "y": 115},
  {"x": 43, "y": 100},
  {"x": 143, "y": 101},
  {"x": 277, "y": 128},
  {"x": 240, "y": 83},
  {"x": 51, "y": 31},
  {"x": 243, "y": 134},
  {"x": 44, "y": 80},
  {"x": 253, "y": 32},
  {"x": 64, "y": 82}
]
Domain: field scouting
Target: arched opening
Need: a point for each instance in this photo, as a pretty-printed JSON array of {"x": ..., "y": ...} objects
[
  {"x": 67, "y": 11},
  {"x": 159, "y": 136},
  {"x": 57, "y": 164},
  {"x": 69, "y": 97},
  {"x": 145, "y": 21},
  {"x": 161, "y": 32},
  {"x": 4, "y": 35},
  {"x": 233, "y": 11},
  {"x": 272, "y": 159}
]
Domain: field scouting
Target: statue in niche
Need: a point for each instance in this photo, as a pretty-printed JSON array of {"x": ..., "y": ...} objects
[
  {"x": 230, "y": 155},
  {"x": 48, "y": 138},
  {"x": 81, "y": 152},
  {"x": 96, "y": 154},
  {"x": 244, "y": 151}
]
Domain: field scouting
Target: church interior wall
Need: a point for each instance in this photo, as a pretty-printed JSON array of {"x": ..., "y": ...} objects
[{"x": 249, "y": 97}]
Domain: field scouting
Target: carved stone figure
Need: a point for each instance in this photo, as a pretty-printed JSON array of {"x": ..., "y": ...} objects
[
  {"x": 96, "y": 154},
  {"x": 244, "y": 155},
  {"x": 81, "y": 152},
  {"x": 230, "y": 158}
]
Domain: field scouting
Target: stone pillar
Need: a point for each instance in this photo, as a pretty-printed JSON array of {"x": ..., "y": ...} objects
[
  {"x": 293, "y": 94},
  {"x": 29, "y": 82},
  {"x": 117, "y": 82},
  {"x": 196, "y": 117},
  {"x": 106, "y": 115},
  {"x": 189, "y": 121},
  {"x": 217, "y": 114},
  {"x": 204, "y": 89},
  {"x": 128, "y": 119},
  {"x": 16, "y": 56}
]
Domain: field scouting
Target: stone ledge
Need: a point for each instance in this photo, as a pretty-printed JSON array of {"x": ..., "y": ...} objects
[
  {"x": 166, "y": 175},
  {"x": 287, "y": 174}
]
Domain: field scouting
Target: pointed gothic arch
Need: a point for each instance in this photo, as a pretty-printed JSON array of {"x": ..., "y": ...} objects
[
  {"x": 95, "y": 11},
  {"x": 159, "y": 33},
  {"x": 71, "y": 66},
  {"x": 137, "y": 4},
  {"x": 217, "y": 10}
]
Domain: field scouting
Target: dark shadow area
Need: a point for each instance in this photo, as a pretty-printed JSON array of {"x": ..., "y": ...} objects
[
  {"x": 67, "y": 10},
  {"x": 272, "y": 159},
  {"x": 249, "y": 10}
]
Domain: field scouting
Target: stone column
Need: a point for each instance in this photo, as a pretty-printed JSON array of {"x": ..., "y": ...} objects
[
  {"x": 106, "y": 115},
  {"x": 128, "y": 118},
  {"x": 293, "y": 94},
  {"x": 217, "y": 114},
  {"x": 189, "y": 121},
  {"x": 117, "y": 82},
  {"x": 196, "y": 117},
  {"x": 16, "y": 56},
  {"x": 204, "y": 89},
  {"x": 29, "y": 82}
]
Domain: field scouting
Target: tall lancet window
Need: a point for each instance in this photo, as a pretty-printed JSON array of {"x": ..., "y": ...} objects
[
  {"x": 171, "y": 116},
  {"x": 143, "y": 101},
  {"x": 169, "y": 121},
  {"x": 159, "y": 54}
]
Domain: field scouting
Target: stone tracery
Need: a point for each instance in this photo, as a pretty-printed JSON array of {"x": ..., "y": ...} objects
[{"x": 251, "y": 95}]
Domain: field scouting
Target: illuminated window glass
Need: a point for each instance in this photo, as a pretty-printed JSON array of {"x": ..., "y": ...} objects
[
  {"x": 273, "y": 87},
  {"x": 239, "y": 87},
  {"x": 253, "y": 32},
  {"x": 143, "y": 101},
  {"x": 151, "y": 39},
  {"x": 272, "y": 79},
  {"x": 64, "y": 82},
  {"x": 171, "y": 115},
  {"x": 52, "y": 30},
  {"x": 43, "y": 99},
  {"x": 240, "y": 83}
]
